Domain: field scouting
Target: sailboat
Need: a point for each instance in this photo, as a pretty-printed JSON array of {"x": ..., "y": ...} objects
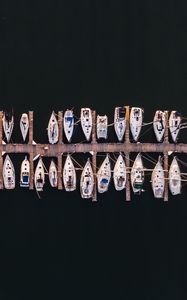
[
  {"x": 104, "y": 175},
  {"x": 119, "y": 122},
  {"x": 157, "y": 180},
  {"x": 8, "y": 174},
  {"x": 8, "y": 124},
  {"x": 159, "y": 124},
  {"x": 53, "y": 174},
  {"x": 86, "y": 122},
  {"x": 102, "y": 126},
  {"x": 174, "y": 176},
  {"x": 87, "y": 181},
  {"x": 137, "y": 175},
  {"x": 25, "y": 173},
  {"x": 24, "y": 125},
  {"x": 174, "y": 124},
  {"x": 39, "y": 176},
  {"x": 68, "y": 124},
  {"x": 119, "y": 174},
  {"x": 136, "y": 119},
  {"x": 69, "y": 175},
  {"x": 53, "y": 129}
]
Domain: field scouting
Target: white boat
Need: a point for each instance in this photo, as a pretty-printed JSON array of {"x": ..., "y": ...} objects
[
  {"x": 69, "y": 175},
  {"x": 119, "y": 174},
  {"x": 174, "y": 176},
  {"x": 53, "y": 129},
  {"x": 157, "y": 180},
  {"x": 137, "y": 175},
  {"x": 39, "y": 176},
  {"x": 174, "y": 124},
  {"x": 87, "y": 181},
  {"x": 68, "y": 124},
  {"x": 24, "y": 125},
  {"x": 53, "y": 174},
  {"x": 86, "y": 122},
  {"x": 8, "y": 124},
  {"x": 136, "y": 119},
  {"x": 104, "y": 175},
  {"x": 159, "y": 124},
  {"x": 25, "y": 173},
  {"x": 119, "y": 122},
  {"x": 102, "y": 127},
  {"x": 8, "y": 174}
]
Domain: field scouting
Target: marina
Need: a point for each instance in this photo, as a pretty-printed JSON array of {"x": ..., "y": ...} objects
[{"x": 94, "y": 178}]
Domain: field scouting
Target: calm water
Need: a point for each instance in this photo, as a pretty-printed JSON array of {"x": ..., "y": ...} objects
[{"x": 58, "y": 55}]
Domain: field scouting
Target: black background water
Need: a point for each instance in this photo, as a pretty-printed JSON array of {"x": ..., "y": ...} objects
[{"x": 63, "y": 54}]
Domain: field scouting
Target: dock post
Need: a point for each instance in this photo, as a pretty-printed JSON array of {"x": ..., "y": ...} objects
[
  {"x": 94, "y": 156},
  {"x": 59, "y": 157},
  {"x": 127, "y": 160},
  {"x": 31, "y": 186},
  {"x": 166, "y": 141},
  {"x": 1, "y": 156}
]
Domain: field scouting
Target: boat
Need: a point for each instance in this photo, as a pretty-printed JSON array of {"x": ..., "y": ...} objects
[
  {"x": 136, "y": 119},
  {"x": 119, "y": 122},
  {"x": 159, "y": 124},
  {"x": 8, "y": 174},
  {"x": 68, "y": 124},
  {"x": 25, "y": 173},
  {"x": 174, "y": 176},
  {"x": 86, "y": 122},
  {"x": 8, "y": 124},
  {"x": 53, "y": 129},
  {"x": 69, "y": 175},
  {"x": 104, "y": 175},
  {"x": 87, "y": 181},
  {"x": 174, "y": 124},
  {"x": 137, "y": 175},
  {"x": 24, "y": 125},
  {"x": 53, "y": 174},
  {"x": 39, "y": 176},
  {"x": 157, "y": 180},
  {"x": 119, "y": 174},
  {"x": 102, "y": 127}
]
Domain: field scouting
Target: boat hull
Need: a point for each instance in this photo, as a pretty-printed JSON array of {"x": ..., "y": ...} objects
[
  {"x": 157, "y": 180},
  {"x": 86, "y": 122},
  {"x": 104, "y": 176},
  {"x": 25, "y": 173},
  {"x": 137, "y": 175},
  {"x": 53, "y": 129},
  {"x": 24, "y": 125},
  {"x": 68, "y": 124},
  {"x": 174, "y": 125},
  {"x": 53, "y": 174},
  {"x": 69, "y": 175},
  {"x": 174, "y": 178},
  {"x": 8, "y": 125},
  {"x": 159, "y": 124},
  {"x": 87, "y": 181},
  {"x": 8, "y": 174},
  {"x": 102, "y": 127},
  {"x": 119, "y": 174},
  {"x": 39, "y": 176},
  {"x": 136, "y": 119},
  {"x": 119, "y": 122}
]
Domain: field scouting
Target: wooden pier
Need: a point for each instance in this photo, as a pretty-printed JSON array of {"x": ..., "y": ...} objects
[{"x": 57, "y": 150}]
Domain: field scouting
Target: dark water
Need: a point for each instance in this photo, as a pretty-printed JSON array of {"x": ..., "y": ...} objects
[{"x": 63, "y": 54}]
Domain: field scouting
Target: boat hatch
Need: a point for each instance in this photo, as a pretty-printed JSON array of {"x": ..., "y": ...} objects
[
  {"x": 104, "y": 181},
  {"x": 25, "y": 179},
  {"x": 69, "y": 119}
]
